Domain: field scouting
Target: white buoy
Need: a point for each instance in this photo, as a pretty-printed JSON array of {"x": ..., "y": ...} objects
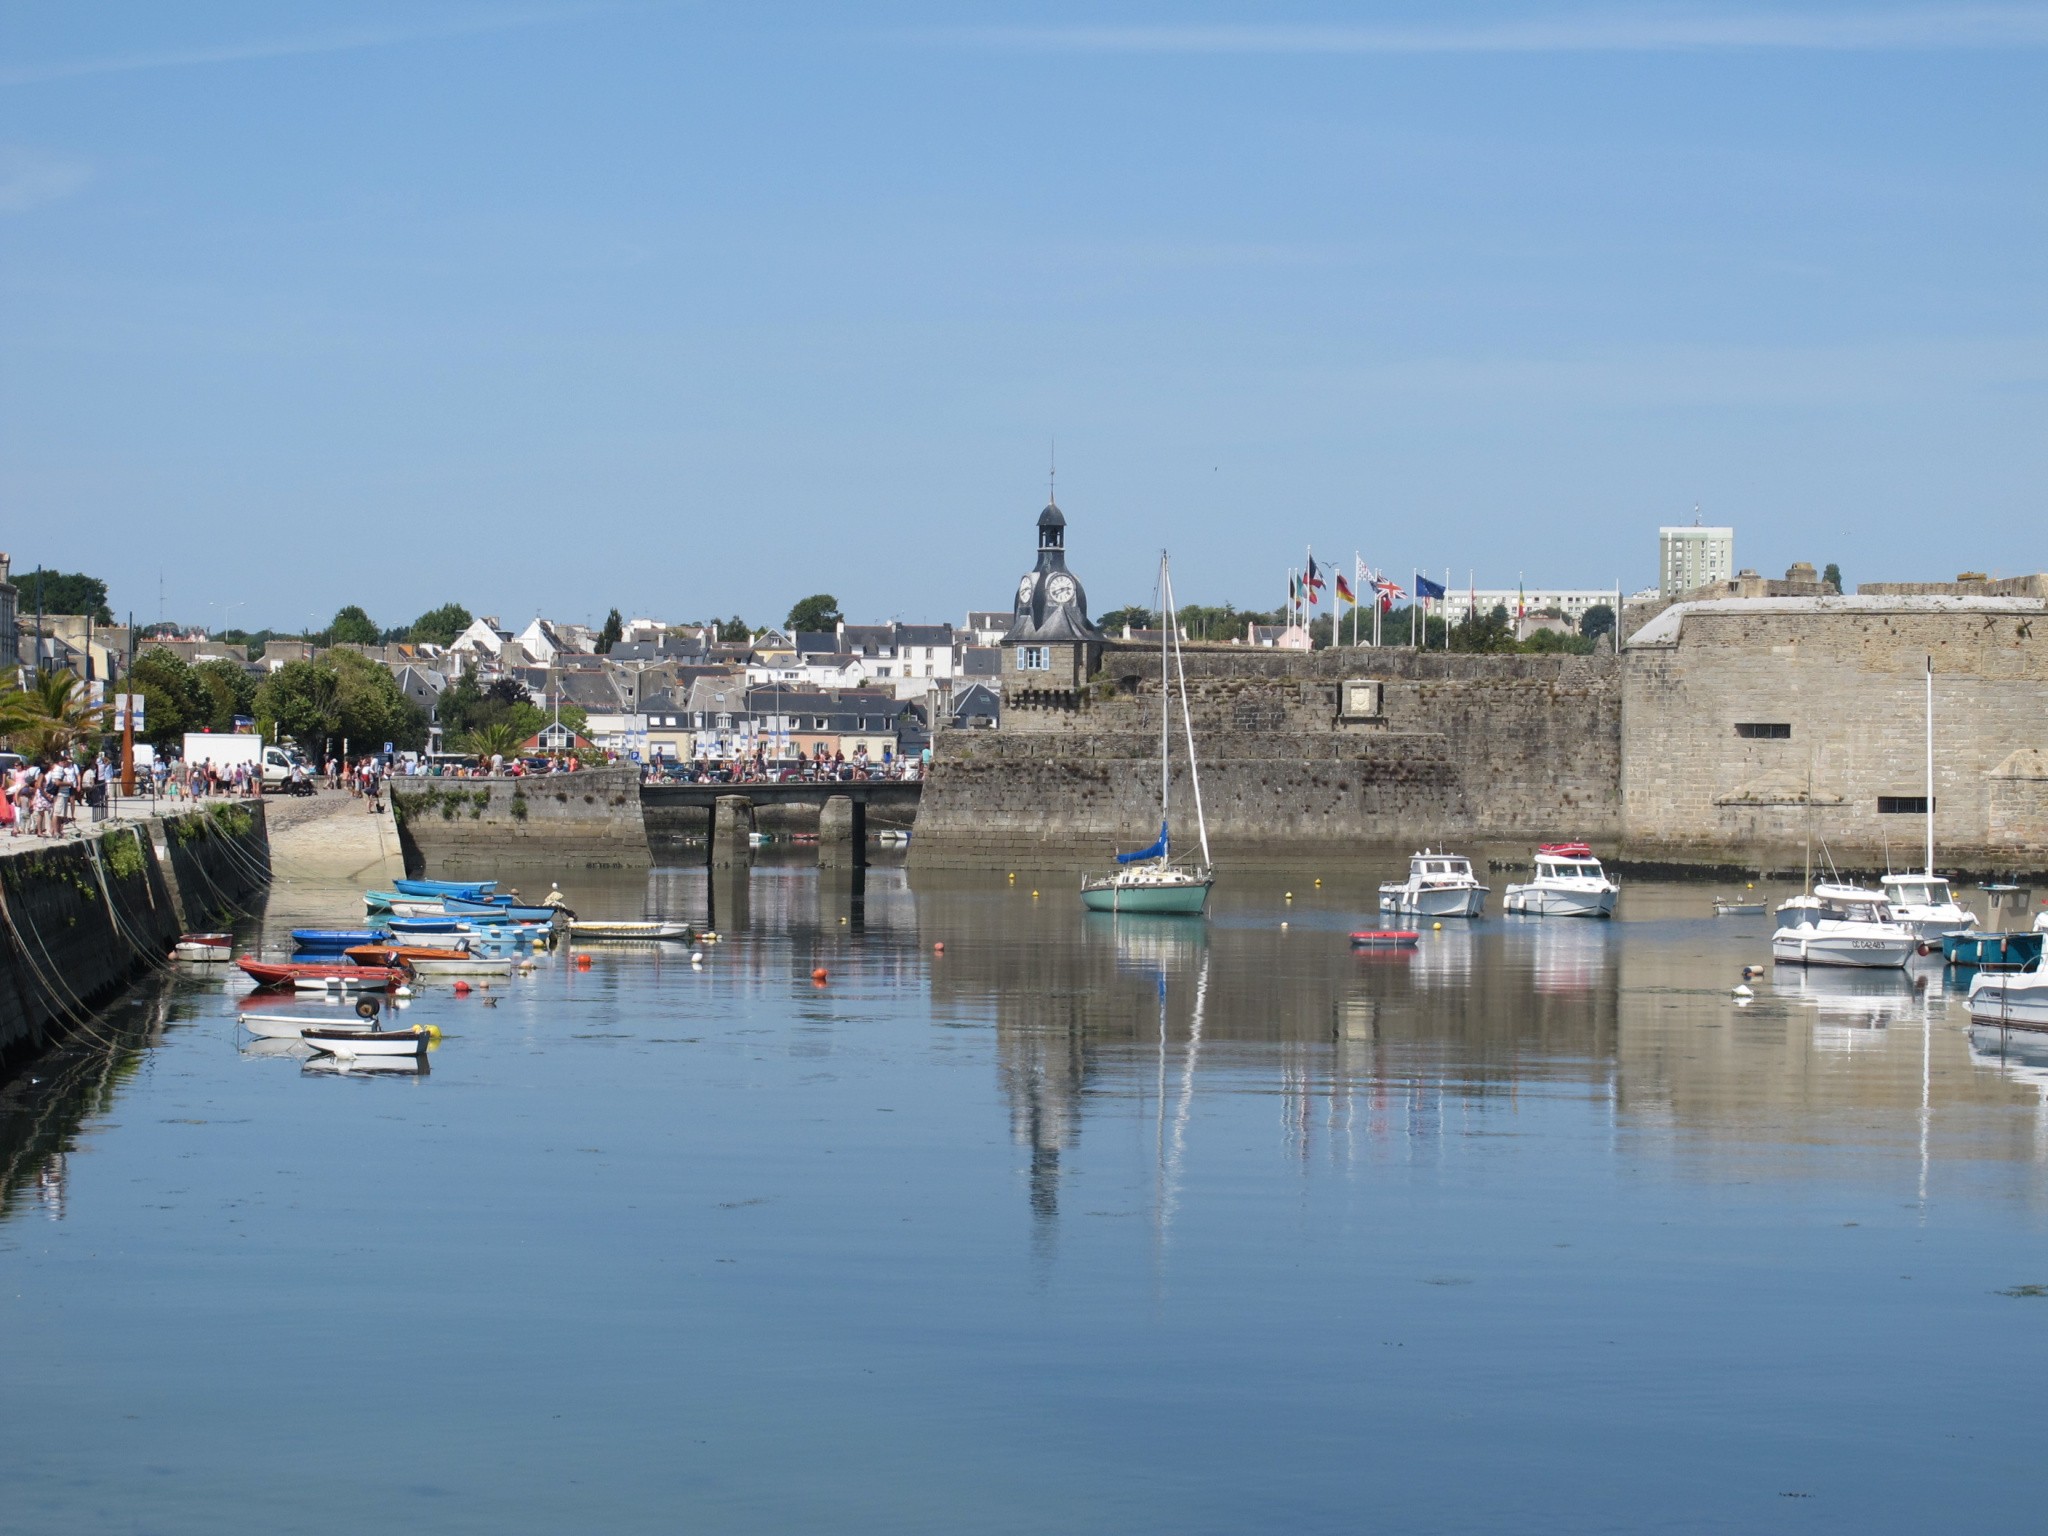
[{"x": 1743, "y": 992}]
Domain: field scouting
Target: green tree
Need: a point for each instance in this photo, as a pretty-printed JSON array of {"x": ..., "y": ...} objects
[
  {"x": 174, "y": 699},
  {"x": 1489, "y": 632},
  {"x": 1832, "y": 576},
  {"x": 352, "y": 626},
  {"x": 1597, "y": 620},
  {"x": 500, "y": 739},
  {"x": 342, "y": 697},
  {"x": 1548, "y": 642},
  {"x": 440, "y": 626},
  {"x": 229, "y": 691},
  {"x": 734, "y": 630},
  {"x": 613, "y": 632},
  {"x": 64, "y": 592},
  {"x": 47, "y": 718},
  {"x": 1113, "y": 621},
  {"x": 818, "y": 611}
]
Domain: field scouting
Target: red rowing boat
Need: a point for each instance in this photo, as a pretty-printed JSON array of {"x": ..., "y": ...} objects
[
  {"x": 319, "y": 975},
  {"x": 1386, "y": 938}
]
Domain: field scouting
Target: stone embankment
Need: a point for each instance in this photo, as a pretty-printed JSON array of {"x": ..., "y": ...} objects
[
  {"x": 587, "y": 820},
  {"x": 81, "y": 919}
]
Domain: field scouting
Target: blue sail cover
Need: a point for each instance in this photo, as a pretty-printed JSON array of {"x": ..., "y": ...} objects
[{"x": 1156, "y": 851}]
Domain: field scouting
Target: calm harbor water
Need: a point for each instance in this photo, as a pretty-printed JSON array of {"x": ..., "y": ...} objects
[{"x": 1085, "y": 1224}]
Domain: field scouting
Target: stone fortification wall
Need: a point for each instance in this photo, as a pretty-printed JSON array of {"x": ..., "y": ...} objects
[
  {"x": 80, "y": 920},
  {"x": 1845, "y": 680},
  {"x": 1457, "y": 747},
  {"x": 587, "y": 820}
]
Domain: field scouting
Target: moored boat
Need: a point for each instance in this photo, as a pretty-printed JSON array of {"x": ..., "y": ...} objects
[
  {"x": 212, "y": 948},
  {"x": 586, "y": 931},
  {"x": 336, "y": 939},
  {"x": 1438, "y": 885},
  {"x": 433, "y": 962},
  {"x": 348, "y": 1042},
  {"x": 322, "y": 975},
  {"x": 1385, "y": 938},
  {"x": 289, "y": 1026},
  {"x": 2004, "y": 951},
  {"x": 1841, "y": 925},
  {"x": 444, "y": 887},
  {"x": 1569, "y": 883},
  {"x": 2010, "y": 999},
  {"x": 1148, "y": 881}
]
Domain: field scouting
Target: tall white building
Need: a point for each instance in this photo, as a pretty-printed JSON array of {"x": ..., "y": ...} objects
[{"x": 1692, "y": 557}]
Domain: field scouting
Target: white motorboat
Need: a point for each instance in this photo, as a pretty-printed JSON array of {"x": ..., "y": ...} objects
[
  {"x": 1569, "y": 883},
  {"x": 350, "y": 1042},
  {"x": 1923, "y": 903},
  {"x": 1841, "y": 925},
  {"x": 1438, "y": 885},
  {"x": 590, "y": 932},
  {"x": 2010, "y": 999}
]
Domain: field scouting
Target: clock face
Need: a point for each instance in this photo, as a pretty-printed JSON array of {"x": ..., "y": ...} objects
[
  {"x": 1024, "y": 590},
  {"x": 1060, "y": 589}
]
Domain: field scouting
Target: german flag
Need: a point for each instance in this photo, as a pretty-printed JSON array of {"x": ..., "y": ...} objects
[{"x": 1344, "y": 592}]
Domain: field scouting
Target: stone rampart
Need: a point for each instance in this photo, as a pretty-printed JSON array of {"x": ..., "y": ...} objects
[
  {"x": 79, "y": 920},
  {"x": 1752, "y": 727},
  {"x": 586, "y": 820},
  {"x": 1449, "y": 746}
]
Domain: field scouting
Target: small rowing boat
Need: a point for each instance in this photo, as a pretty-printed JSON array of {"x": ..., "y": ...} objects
[
  {"x": 1386, "y": 938},
  {"x": 1724, "y": 907},
  {"x": 211, "y": 947},
  {"x": 470, "y": 888},
  {"x": 598, "y": 932},
  {"x": 349, "y": 1043},
  {"x": 432, "y": 962},
  {"x": 289, "y": 1026},
  {"x": 337, "y": 938},
  {"x": 320, "y": 976}
]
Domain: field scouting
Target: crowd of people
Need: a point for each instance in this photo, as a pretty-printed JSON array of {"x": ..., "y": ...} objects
[{"x": 805, "y": 768}]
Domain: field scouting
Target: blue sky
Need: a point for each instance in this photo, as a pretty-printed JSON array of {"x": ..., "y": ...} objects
[{"x": 698, "y": 308}]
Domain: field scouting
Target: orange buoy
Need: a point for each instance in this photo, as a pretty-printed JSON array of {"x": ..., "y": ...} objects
[
  {"x": 939, "y": 948},
  {"x": 462, "y": 989},
  {"x": 583, "y": 962},
  {"x": 821, "y": 975}
]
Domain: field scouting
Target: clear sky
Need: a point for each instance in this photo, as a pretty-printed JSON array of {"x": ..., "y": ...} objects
[{"x": 689, "y": 308}]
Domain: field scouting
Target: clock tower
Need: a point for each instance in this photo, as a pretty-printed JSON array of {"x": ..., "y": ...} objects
[{"x": 1052, "y": 649}]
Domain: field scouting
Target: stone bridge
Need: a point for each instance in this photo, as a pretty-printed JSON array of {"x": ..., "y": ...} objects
[{"x": 675, "y": 813}]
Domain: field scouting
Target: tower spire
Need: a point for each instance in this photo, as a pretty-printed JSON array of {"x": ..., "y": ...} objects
[{"x": 1052, "y": 473}]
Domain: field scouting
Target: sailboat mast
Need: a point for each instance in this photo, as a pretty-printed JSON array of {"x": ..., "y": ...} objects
[
  {"x": 1930, "y": 765},
  {"x": 1187, "y": 718},
  {"x": 1165, "y": 713}
]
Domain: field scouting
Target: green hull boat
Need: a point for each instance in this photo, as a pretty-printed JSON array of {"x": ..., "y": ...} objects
[{"x": 1187, "y": 898}]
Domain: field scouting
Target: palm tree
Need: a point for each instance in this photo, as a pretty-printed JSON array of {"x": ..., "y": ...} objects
[
  {"x": 47, "y": 718},
  {"x": 499, "y": 740}
]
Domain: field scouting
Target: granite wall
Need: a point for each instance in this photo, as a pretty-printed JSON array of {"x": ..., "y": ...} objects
[
  {"x": 1297, "y": 748},
  {"x": 587, "y": 820}
]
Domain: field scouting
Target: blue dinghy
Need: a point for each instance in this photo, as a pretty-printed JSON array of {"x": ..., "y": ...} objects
[
  {"x": 337, "y": 938},
  {"x": 465, "y": 888}
]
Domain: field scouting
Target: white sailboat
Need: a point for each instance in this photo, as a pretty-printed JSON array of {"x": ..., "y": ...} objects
[
  {"x": 1148, "y": 880},
  {"x": 1922, "y": 902}
]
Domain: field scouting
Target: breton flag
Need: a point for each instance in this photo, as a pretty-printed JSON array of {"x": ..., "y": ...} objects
[{"x": 1344, "y": 592}]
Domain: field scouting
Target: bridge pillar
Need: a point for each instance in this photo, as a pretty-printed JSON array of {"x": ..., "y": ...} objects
[
  {"x": 842, "y": 832},
  {"x": 732, "y": 824}
]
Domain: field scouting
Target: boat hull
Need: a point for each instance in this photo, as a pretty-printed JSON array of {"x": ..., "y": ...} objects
[
  {"x": 348, "y": 1043},
  {"x": 1186, "y": 900},
  {"x": 2010, "y": 1000},
  {"x": 1447, "y": 902},
  {"x": 1799, "y": 947},
  {"x": 589, "y": 932},
  {"x": 1539, "y": 901}
]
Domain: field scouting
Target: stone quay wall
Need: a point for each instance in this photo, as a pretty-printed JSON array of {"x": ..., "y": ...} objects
[
  {"x": 586, "y": 820},
  {"x": 1292, "y": 754},
  {"x": 1841, "y": 683},
  {"x": 80, "y": 920}
]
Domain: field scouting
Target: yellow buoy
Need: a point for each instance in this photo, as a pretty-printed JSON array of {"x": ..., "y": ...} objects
[
  {"x": 1319, "y": 880},
  {"x": 1013, "y": 877},
  {"x": 1436, "y": 925},
  {"x": 1034, "y": 895},
  {"x": 1290, "y": 895}
]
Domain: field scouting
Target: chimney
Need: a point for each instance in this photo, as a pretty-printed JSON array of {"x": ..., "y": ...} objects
[{"x": 6, "y": 561}]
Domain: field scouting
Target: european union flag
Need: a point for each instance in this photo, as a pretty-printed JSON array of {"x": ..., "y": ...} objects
[{"x": 1424, "y": 587}]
